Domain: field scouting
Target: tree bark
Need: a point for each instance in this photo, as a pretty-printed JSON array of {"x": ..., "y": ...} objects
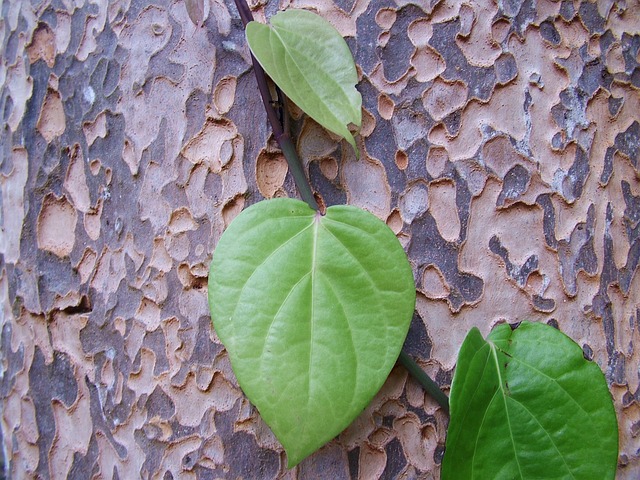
[{"x": 499, "y": 142}]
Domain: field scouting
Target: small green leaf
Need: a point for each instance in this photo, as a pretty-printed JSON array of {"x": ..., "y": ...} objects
[
  {"x": 313, "y": 311},
  {"x": 312, "y": 64},
  {"x": 526, "y": 405}
]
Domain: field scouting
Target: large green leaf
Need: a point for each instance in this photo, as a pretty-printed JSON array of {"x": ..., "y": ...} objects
[
  {"x": 313, "y": 311},
  {"x": 527, "y": 405},
  {"x": 312, "y": 64}
]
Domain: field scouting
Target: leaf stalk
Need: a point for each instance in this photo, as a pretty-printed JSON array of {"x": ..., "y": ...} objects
[{"x": 424, "y": 380}]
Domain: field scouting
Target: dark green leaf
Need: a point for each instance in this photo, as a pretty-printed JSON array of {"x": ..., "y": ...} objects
[{"x": 526, "y": 405}]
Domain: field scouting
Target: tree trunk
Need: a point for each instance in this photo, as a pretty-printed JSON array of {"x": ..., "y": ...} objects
[{"x": 500, "y": 142}]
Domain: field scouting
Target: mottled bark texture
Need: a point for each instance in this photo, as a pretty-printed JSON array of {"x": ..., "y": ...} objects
[{"x": 501, "y": 142}]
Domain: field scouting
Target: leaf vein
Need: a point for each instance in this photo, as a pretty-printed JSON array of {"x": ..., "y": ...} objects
[
  {"x": 484, "y": 417},
  {"x": 273, "y": 320},
  {"x": 506, "y": 409},
  {"x": 547, "y": 434},
  {"x": 257, "y": 267},
  {"x": 346, "y": 249},
  {"x": 353, "y": 345},
  {"x": 314, "y": 254},
  {"x": 551, "y": 379}
]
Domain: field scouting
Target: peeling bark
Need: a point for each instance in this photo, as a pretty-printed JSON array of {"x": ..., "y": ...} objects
[{"x": 500, "y": 142}]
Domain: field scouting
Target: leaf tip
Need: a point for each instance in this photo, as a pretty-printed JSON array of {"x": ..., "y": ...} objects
[
  {"x": 195, "y": 10},
  {"x": 355, "y": 147}
]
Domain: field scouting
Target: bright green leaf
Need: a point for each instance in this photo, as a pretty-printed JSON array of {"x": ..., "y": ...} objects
[
  {"x": 312, "y": 64},
  {"x": 526, "y": 405},
  {"x": 313, "y": 311}
]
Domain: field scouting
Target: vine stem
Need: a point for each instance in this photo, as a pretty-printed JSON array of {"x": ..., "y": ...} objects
[
  {"x": 306, "y": 193},
  {"x": 424, "y": 380}
]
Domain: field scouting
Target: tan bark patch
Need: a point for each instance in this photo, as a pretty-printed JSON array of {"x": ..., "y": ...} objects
[
  {"x": 42, "y": 45},
  {"x": 95, "y": 129},
  {"x": 271, "y": 170},
  {"x": 56, "y": 225},
  {"x": 443, "y": 98},
  {"x": 75, "y": 181},
  {"x": 224, "y": 94},
  {"x": 51, "y": 122}
]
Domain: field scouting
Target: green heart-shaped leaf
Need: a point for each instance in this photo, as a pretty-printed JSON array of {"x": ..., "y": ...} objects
[
  {"x": 312, "y": 64},
  {"x": 313, "y": 311},
  {"x": 527, "y": 405}
]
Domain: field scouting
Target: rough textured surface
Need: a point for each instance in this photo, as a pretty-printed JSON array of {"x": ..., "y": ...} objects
[{"x": 501, "y": 142}]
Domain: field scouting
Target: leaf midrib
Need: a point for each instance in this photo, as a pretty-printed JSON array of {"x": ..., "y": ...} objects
[
  {"x": 266, "y": 259},
  {"x": 552, "y": 380},
  {"x": 314, "y": 255},
  {"x": 500, "y": 391}
]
